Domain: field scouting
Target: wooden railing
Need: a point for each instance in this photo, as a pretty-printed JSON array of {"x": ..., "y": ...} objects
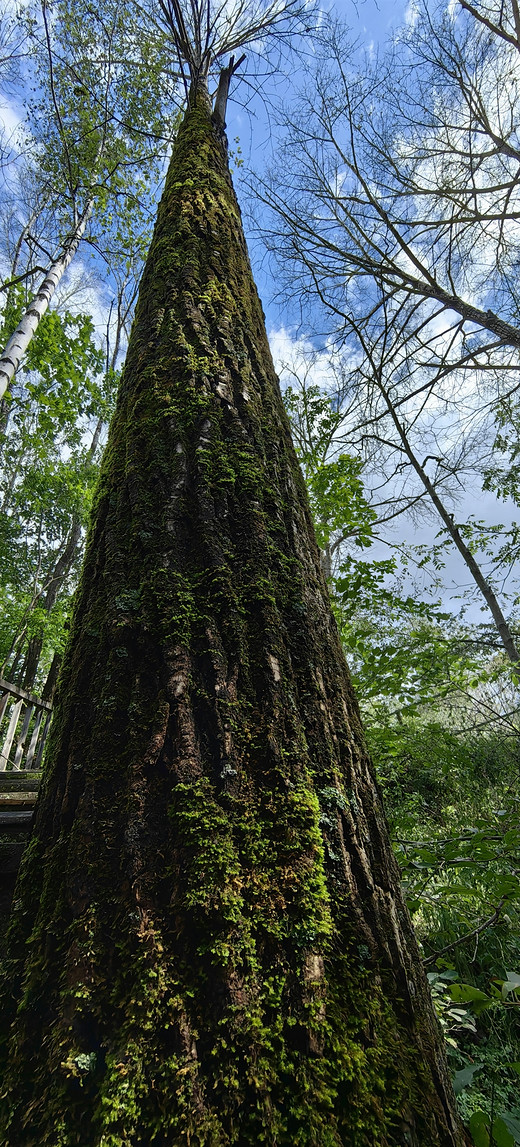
[{"x": 24, "y": 724}]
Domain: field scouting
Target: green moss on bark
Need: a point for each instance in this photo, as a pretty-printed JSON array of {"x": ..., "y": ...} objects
[{"x": 209, "y": 947}]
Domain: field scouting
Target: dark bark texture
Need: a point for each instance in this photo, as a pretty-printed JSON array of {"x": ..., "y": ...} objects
[{"x": 209, "y": 946}]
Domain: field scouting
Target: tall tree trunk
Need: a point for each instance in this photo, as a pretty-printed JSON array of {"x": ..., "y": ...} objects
[
  {"x": 57, "y": 578},
  {"x": 210, "y": 936},
  {"x": 4, "y": 402},
  {"x": 52, "y": 678}
]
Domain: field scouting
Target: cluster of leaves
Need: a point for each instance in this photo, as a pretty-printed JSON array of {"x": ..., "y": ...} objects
[
  {"x": 491, "y": 1118},
  {"x": 453, "y": 805}
]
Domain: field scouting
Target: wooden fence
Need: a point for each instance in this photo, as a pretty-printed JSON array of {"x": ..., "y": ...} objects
[{"x": 24, "y": 724}]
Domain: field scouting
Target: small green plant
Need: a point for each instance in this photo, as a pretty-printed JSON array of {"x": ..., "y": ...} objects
[
  {"x": 452, "y": 1019},
  {"x": 493, "y": 1122},
  {"x": 235, "y": 157}
]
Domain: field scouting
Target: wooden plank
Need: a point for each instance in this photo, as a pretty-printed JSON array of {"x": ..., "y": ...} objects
[
  {"x": 9, "y": 800},
  {"x": 6, "y": 747},
  {"x": 34, "y": 741},
  {"x": 20, "y": 782},
  {"x": 22, "y": 738},
  {"x": 41, "y": 746},
  {"x": 17, "y": 692},
  {"x": 15, "y": 818}
]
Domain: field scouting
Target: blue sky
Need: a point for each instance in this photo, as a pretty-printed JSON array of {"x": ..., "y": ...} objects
[{"x": 372, "y": 24}]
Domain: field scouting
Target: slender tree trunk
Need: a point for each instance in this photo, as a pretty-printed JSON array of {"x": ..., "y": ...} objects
[
  {"x": 486, "y": 590},
  {"x": 60, "y": 571},
  {"x": 210, "y": 936},
  {"x": 52, "y": 678},
  {"x": 4, "y": 402},
  {"x": 16, "y": 347}
]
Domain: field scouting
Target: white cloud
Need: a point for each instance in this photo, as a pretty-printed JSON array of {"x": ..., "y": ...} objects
[{"x": 13, "y": 139}]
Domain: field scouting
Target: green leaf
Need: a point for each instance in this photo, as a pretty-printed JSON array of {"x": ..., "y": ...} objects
[
  {"x": 463, "y": 1078},
  {"x": 467, "y": 994},
  {"x": 512, "y": 1124},
  {"x": 512, "y": 984},
  {"x": 479, "y": 1129},
  {"x": 501, "y": 1135}
]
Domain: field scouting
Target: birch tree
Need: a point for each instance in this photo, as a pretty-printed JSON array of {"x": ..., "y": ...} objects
[{"x": 90, "y": 157}]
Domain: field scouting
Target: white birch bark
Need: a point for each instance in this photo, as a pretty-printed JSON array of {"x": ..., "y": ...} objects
[{"x": 16, "y": 347}]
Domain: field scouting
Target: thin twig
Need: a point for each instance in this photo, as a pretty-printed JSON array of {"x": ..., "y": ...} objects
[{"x": 468, "y": 935}]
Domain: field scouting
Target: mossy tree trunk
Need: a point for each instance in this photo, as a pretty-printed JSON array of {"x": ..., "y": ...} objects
[{"x": 209, "y": 945}]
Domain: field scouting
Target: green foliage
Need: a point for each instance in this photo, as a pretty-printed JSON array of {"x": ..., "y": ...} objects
[
  {"x": 453, "y": 1020},
  {"x": 403, "y": 652},
  {"x": 96, "y": 117},
  {"x": 333, "y": 479},
  {"x": 454, "y": 815},
  {"x": 48, "y": 473},
  {"x": 441, "y": 718}
]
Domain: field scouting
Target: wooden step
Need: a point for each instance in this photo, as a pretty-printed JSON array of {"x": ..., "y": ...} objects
[
  {"x": 15, "y": 818},
  {"x": 18, "y": 800},
  {"x": 19, "y": 782},
  {"x": 18, "y": 793}
]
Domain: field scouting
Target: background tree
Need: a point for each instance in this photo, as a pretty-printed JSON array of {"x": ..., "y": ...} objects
[
  {"x": 398, "y": 214},
  {"x": 89, "y": 92},
  {"x": 87, "y": 163},
  {"x": 49, "y": 462}
]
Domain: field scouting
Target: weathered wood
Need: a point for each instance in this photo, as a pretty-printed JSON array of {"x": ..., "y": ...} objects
[
  {"x": 20, "y": 782},
  {"x": 41, "y": 746},
  {"x": 15, "y": 691},
  {"x": 15, "y": 818},
  {"x": 6, "y": 747},
  {"x": 32, "y": 704},
  {"x": 23, "y": 735},
  {"x": 34, "y": 742},
  {"x": 14, "y": 799}
]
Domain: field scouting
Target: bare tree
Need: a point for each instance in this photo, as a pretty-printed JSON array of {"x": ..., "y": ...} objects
[{"x": 396, "y": 209}]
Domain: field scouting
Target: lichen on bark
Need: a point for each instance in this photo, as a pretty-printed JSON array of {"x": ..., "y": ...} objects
[{"x": 208, "y": 945}]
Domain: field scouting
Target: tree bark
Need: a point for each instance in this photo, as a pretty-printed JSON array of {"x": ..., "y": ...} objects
[{"x": 210, "y": 946}]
